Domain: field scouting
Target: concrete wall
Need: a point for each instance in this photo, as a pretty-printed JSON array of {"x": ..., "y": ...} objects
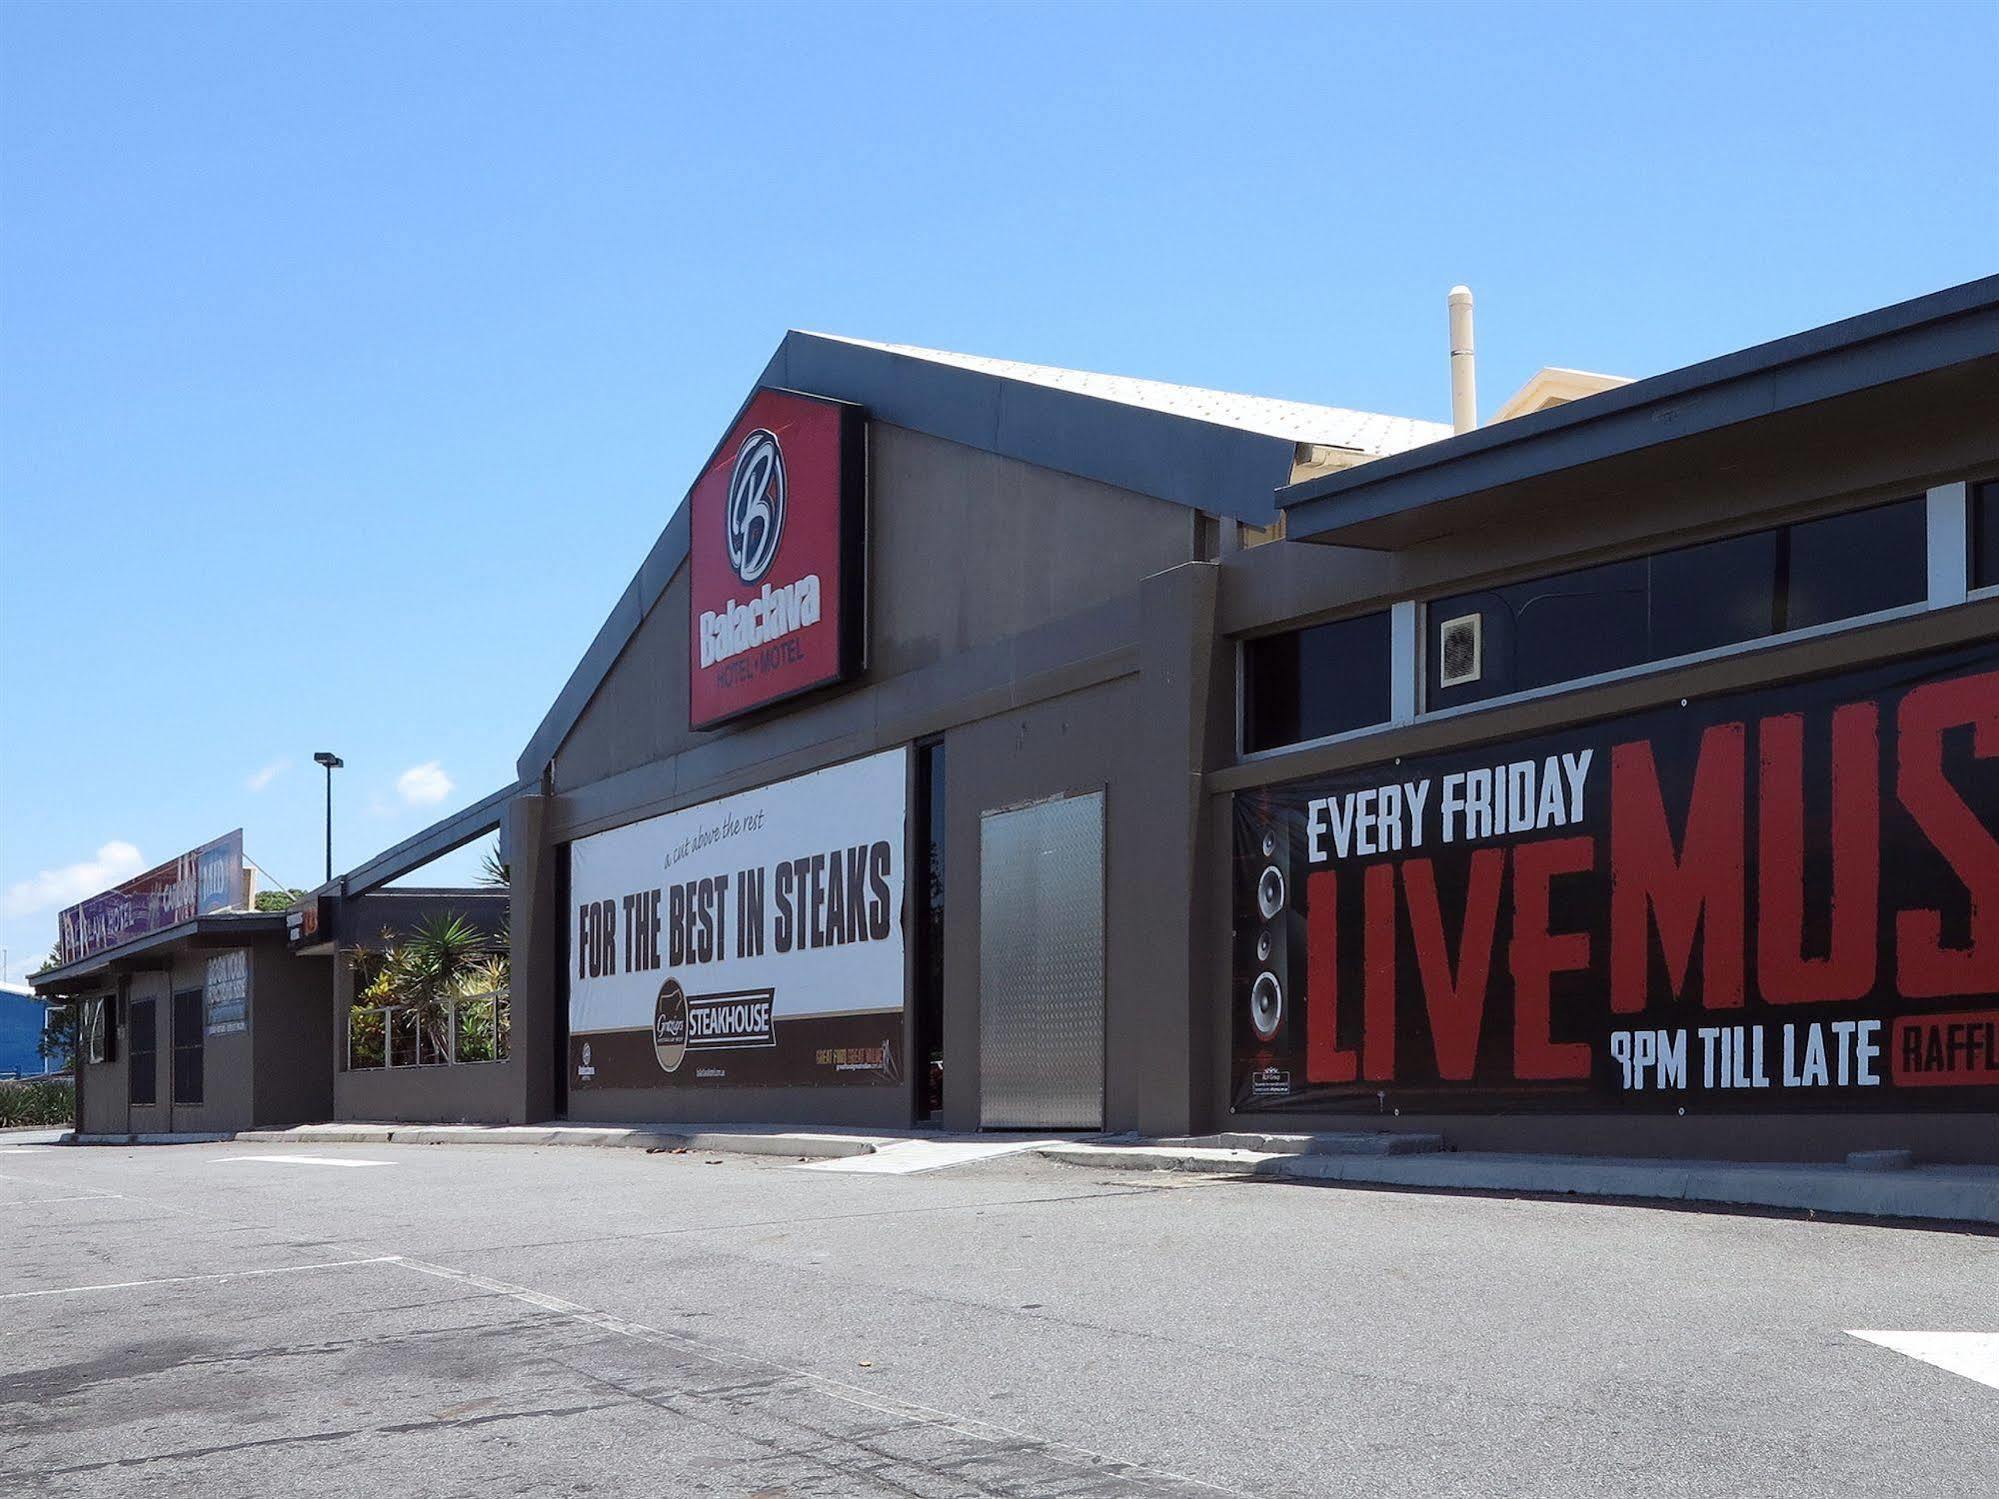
[
  {"x": 273, "y": 1073},
  {"x": 475, "y": 1092},
  {"x": 1007, "y": 618},
  {"x": 291, "y": 1028}
]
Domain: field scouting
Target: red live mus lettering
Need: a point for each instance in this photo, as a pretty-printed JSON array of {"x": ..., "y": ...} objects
[{"x": 1692, "y": 891}]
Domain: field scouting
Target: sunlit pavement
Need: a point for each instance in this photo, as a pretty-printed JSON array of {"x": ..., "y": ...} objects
[{"x": 249, "y": 1319}]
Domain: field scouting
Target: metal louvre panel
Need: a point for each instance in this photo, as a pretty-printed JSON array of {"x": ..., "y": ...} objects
[{"x": 1041, "y": 965}]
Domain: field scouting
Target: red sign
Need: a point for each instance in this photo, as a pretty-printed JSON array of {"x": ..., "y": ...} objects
[
  {"x": 1785, "y": 898},
  {"x": 778, "y": 531}
]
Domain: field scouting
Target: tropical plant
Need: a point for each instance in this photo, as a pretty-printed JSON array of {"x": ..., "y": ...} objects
[
  {"x": 37, "y": 1103},
  {"x": 491, "y": 870},
  {"x": 427, "y": 975}
]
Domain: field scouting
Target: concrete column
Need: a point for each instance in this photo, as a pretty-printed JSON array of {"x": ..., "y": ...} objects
[
  {"x": 1163, "y": 888},
  {"x": 532, "y": 943}
]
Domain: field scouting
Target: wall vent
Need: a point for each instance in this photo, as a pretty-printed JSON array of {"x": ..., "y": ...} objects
[{"x": 1461, "y": 651}]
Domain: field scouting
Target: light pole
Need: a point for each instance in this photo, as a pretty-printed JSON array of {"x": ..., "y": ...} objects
[{"x": 332, "y": 762}]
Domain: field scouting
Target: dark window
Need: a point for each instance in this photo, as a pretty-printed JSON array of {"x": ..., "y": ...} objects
[
  {"x": 930, "y": 803},
  {"x": 1705, "y": 597},
  {"x": 1985, "y": 534},
  {"x": 187, "y": 1046},
  {"x": 1306, "y": 684},
  {"x": 1578, "y": 624},
  {"x": 142, "y": 1075},
  {"x": 1856, "y": 563},
  {"x": 1687, "y": 600}
]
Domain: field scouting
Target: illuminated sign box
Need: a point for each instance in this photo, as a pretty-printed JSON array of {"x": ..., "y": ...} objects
[{"x": 777, "y": 557}]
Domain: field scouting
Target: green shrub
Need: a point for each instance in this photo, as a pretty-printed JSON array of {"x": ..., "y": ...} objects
[{"x": 43, "y": 1103}]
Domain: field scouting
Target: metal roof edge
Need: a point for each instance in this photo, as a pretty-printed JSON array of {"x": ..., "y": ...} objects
[
  {"x": 1167, "y": 455},
  {"x": 1906, "y": 339},
  {"x": 165, "y": 937},
  {"x": 440, "y": 838}
]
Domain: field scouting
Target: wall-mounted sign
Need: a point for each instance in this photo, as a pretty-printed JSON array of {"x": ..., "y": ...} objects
[
  {"x": 226, "y": 992},
  {"x": 746, "y": 942},
  {"x": 1783, "y": 899},
  {"x": 209, "y": 878},
  {"x": 777, "y": 557},
  {"x": 308, "y": 923}
]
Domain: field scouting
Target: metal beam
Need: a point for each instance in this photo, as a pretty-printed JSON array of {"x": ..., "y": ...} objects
[{"x": 435, "y": 841}]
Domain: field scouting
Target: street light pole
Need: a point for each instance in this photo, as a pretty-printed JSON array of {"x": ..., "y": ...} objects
[{"x": 332, "y": 762}]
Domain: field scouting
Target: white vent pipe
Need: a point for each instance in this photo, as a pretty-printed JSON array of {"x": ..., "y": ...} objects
[{"x": 1464, "y": 375}]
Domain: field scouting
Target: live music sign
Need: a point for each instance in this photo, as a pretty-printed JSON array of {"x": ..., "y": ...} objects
[
  {"x": 1784, "y": 899},
  {"x": 777, "y": 557}
]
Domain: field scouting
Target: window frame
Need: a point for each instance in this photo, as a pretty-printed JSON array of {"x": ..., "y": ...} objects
[{"x": 1973, "y": 589}]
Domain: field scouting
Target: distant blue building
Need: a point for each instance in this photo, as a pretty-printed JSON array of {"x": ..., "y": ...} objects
[{"x": 23, "y": 1017}]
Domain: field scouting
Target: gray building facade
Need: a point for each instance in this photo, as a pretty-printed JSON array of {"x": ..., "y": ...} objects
[{"x": 1181, "y": 607}]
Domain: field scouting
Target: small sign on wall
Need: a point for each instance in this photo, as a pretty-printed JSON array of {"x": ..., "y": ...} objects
[{"x": 226, "y": 992}]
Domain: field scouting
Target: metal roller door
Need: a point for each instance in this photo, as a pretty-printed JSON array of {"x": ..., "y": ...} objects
[{"x": 1041, "y": 965}]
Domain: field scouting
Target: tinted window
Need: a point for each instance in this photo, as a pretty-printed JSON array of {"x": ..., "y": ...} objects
[
  {"x": 187, "y": 1047},
  {"x": 142, "y": 1066},
  {"x": 1701, "y": 598},
  {"x": 1676, "y": 603},
  {"x": 1985, "y": 534},
  {"x": 1306, "y": 684},
  {"x": 1857, "y": 563},
  {"x": 1577, "y": 624}
]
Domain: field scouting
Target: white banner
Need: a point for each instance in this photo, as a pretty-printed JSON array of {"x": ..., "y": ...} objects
[{"x": 789, "y": 895}]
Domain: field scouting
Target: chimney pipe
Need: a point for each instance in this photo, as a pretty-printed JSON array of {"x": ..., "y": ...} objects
[{"x": 1464, "y": 378}]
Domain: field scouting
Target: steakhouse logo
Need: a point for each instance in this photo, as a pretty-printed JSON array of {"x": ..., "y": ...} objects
[{"x": 683, "y": 1022}]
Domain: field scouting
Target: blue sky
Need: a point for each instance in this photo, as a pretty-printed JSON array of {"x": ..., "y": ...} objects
[{"x": 352, "y": 356}]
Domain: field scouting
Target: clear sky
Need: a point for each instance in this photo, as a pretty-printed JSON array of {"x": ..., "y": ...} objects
[{"x": 353, "y": 356}]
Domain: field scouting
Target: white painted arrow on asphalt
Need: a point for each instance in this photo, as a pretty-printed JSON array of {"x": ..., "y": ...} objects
[{"x": 1975, "y": 1355}]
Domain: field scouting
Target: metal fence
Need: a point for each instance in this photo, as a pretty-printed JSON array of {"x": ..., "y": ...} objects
[{"x": 473, "y": 1028}]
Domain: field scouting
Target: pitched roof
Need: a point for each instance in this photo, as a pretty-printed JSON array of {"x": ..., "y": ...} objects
[
  {"x": 1206, "y": 449},
  {"x": 1366, "y": 432}
]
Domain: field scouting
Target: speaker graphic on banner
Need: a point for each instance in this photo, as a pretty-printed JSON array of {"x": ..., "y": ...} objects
[{"x": 1779, "y": 899}]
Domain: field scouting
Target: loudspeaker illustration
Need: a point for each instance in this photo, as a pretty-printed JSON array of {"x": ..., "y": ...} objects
[{"x": 1270, "y": 931}]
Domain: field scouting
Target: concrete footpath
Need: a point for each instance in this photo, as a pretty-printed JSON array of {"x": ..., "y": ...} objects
[
  {"x": 746, "y": 1139},
  {"x": 1879, "y": 1184},
  {"x": 1882, "y": 1184}
]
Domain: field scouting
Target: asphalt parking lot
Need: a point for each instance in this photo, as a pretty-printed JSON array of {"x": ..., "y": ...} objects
[{"x": 235, "y": 1319}]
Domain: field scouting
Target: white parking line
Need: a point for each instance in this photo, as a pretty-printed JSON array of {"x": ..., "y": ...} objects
[
  {"x": 300, "y": 1160},
  {"x": 1975, "y": 1355},
  {"x": 178, "y": 1280},
  {"x": 902, "y": 1157}
]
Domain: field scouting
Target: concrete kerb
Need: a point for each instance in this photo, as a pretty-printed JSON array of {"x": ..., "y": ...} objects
[
  {"x": 743, "y": 1141},
  {"x": 1956, "y": 1194}
]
